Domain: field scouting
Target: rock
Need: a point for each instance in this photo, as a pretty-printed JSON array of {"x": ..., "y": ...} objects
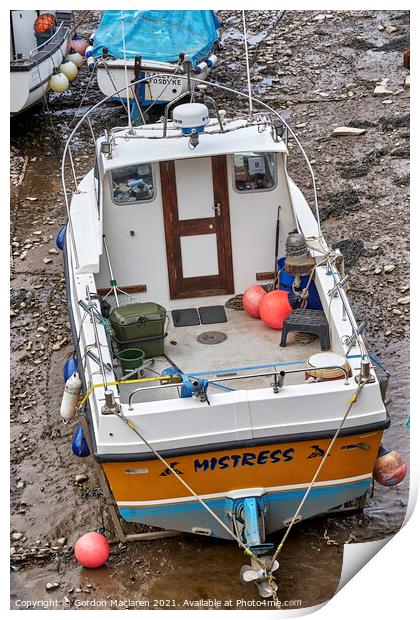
[
  {"x": 80, "y": 478},
  {"x": 17, "y": 536},
  {"x": 382, "y": 90},
  {"x": 42, "y": 329},
  {"x": 348, "y": 131},
  {"x": 46, "y": 261},
  {"x": 61, "y": 541},
  {"x": 20, "y": 484},
  {"x": 390, "y": 29},
  {"x": 389, "y": 268},
  {"x": 52, "y": 585},
  {"x": 378, "y": 271},
  {"x": 407, "y": 81},
  {"x": 31, "y": 198},
  {"x": 396, "y": 312},
  {"x": 404, "y": 301},
  {"x": 381, "y": 28},
  {"x": 53, "y": 251}
]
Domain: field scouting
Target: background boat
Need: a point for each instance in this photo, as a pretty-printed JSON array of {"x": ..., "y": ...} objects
[{"x": 33, "y": 56}]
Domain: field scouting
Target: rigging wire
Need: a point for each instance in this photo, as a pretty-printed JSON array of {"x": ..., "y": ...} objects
[{"x": 248, "y": 76}]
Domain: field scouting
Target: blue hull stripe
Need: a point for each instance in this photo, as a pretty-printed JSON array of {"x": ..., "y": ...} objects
[{"x": 280, "y": 506}]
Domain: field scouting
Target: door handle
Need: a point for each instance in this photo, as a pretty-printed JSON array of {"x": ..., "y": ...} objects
[{"x": 217, "y": 209}]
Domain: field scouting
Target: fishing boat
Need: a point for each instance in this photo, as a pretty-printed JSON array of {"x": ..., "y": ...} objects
[
  {"x": 158, "y": 45},
  {"x": 34, "y": 55},
  {"x": 202, "y": 418}
]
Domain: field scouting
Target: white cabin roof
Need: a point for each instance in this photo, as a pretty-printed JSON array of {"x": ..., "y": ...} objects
[{"x": 238, "y": 137}]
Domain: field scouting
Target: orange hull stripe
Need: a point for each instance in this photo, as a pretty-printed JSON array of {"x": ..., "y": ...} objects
[{"x": 271, "y": 465}]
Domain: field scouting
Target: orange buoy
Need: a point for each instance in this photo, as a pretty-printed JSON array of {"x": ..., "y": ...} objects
[
  {"x": 44, "y": 23},
  {"x": 390, "y": 468},
  {"x": 274, "y": 308},
  {"x": 92, "y": 550},
  {"x": 252, "y": 299}
]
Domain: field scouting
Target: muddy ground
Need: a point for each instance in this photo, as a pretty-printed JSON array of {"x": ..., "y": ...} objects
[{"x": 323, "y": 68}]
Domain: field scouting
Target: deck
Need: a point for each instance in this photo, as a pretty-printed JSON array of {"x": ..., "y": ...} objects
[{"x": 250, "y": 347}]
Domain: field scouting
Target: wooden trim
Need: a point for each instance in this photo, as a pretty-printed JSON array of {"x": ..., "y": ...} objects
[
  {"x": 221, "y": 195},
  {"x": 135, "y": 288},
  {"x": 170, "y": 212},
  {"x": 265, "y": 275}
]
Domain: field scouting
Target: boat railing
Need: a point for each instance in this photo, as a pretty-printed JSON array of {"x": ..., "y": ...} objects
[
  {"x": 131, "y": 133},
  {"x": 278, "y": 379},
  {"x": 40, "y": 48}
]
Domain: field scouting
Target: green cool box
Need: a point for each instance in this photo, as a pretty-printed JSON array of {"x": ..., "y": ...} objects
[{"x": 140, "y": 325}]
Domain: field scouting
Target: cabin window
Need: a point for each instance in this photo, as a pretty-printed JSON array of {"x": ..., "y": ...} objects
[
  {"x": 132, "y": 184},
  {"x": 254, "y": 172}
]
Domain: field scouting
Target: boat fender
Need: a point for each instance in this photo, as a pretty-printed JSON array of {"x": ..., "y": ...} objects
[
  {"x": 69, "y": 69},
  {"x": 79, "y": 444},
  {"x": 58, "y": 81},
  {"x": 60, "y": 238},
  {"x": 390, "y": 468},
  {"x": 90, "y": 58},
  {"x": 75, "y": 57},
  {"x": 70, "y": 397},
  {"x": 70, "y": 367},
  {"x": 211, "y": 60},
  {"x": 200, "y": 67}
]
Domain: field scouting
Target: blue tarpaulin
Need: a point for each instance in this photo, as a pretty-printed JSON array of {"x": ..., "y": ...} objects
[{"x": 158, "y": 35}]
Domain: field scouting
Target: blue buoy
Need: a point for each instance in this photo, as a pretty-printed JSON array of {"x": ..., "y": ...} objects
[
  {"x": 79, "y": 444},
  {"x": 70, "y": 368},
  {"x": 59, "y": 240}
]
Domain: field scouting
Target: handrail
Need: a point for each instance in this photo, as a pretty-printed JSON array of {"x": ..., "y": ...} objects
[
  {"x": 278, "y": 378},
  {"x": 37, "y": 49},
  {"x": 240, "y": 94}
]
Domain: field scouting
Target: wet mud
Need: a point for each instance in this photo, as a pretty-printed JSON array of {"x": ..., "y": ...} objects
[{"x": 322, "y": 67}]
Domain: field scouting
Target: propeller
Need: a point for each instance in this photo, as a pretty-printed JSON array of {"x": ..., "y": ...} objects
[{"x": 256, "y": 574}]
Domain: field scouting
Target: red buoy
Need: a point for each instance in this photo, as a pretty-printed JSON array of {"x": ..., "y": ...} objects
[
  {"x": 390, "y": 468},
  {"x": 92, "y": 550},
  {"x": 274, "y": 308},
  {"x": 252, "y": 299}
]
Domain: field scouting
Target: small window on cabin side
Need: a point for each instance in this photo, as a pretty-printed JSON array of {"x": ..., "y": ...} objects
[
  {"x": 254, "y": 172},
  {"x": 132, "y": 184}
]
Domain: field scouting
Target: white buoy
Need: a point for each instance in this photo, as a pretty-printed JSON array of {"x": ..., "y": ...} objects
[
  {"x": 69, "y": 69},
  {"x": 70, "y": 397},
  {"x": 75, "y": 58},
  {"x": 58, "y": 81}
]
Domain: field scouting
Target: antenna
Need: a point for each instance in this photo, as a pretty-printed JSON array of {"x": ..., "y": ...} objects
[
  {"x": 247, "y": 63},
  {"x": 126, "y": 72}
]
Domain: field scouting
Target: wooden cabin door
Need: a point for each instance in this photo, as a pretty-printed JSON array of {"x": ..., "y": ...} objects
[{"x": 197, "y": 226}]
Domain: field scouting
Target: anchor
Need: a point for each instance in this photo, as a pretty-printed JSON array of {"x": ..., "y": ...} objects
[{"x": 248, "y": 521}]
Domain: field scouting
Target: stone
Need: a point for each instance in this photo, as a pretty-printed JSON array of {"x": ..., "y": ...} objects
[
  {"x": 17, "y": 536},
  {"x": 396, "y": 312},
  {"x": 378, "y": 271},
  {"x": 407, "y": 81},
  {"x": 403, "y": 301},
  {"x": 80, "y": 478},
  {"x": 52, "y": 585},
  {"x": 31, "y": 198},
  {"x": 348, "y": 131},
  {"x": 389, "y": 268},
  {"x": 381, "y": 28},
  {"x": 53, "y": 251},
  {"x": 62, "y": 541},
  {"x": 46, "y": 261},
  {"x": 382, "y": 90}
]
